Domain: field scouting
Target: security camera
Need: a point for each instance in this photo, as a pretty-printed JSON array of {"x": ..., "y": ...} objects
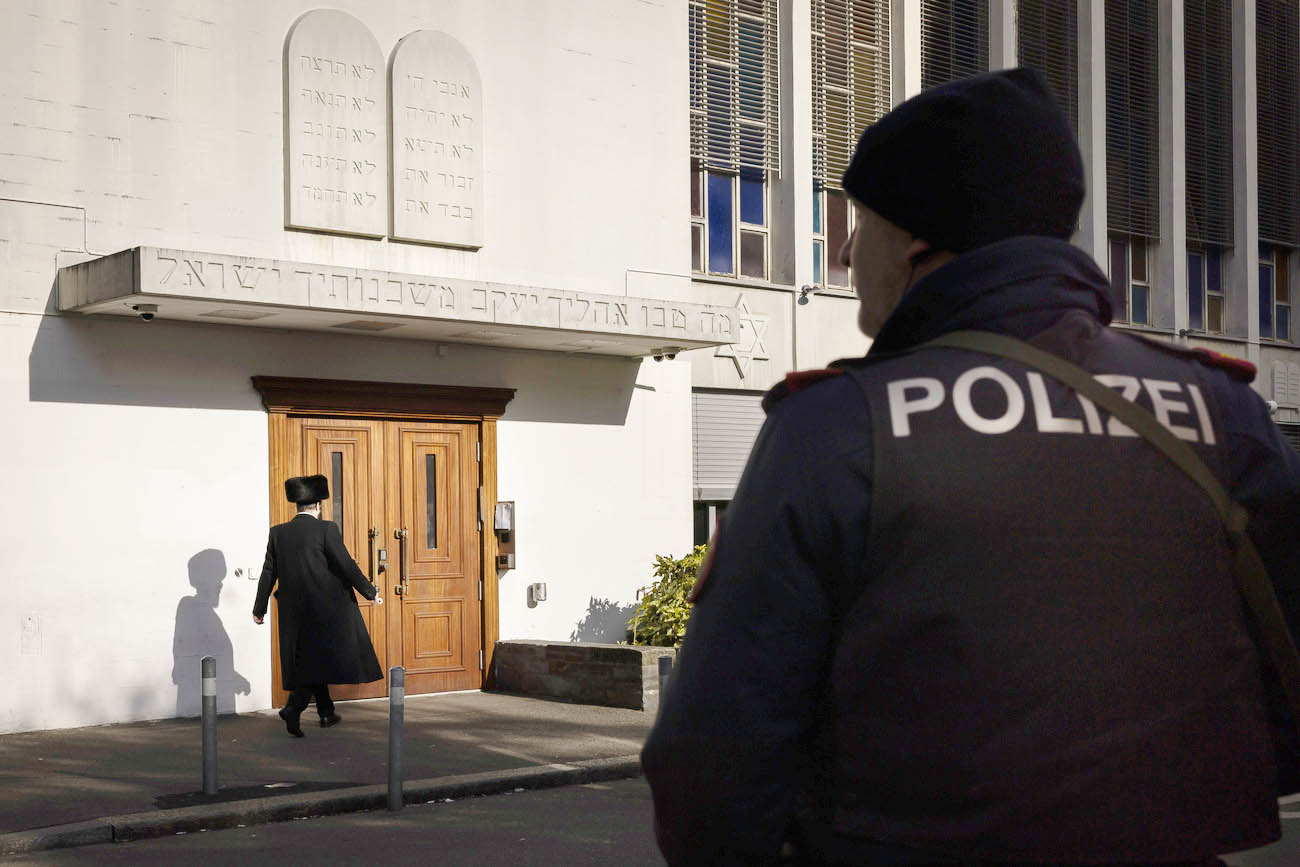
[
  {"x": 146, "y": 311},
  {"x": 670, "y": 355}
]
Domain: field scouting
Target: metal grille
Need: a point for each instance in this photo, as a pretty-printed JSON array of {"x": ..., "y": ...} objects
[
  {"x": 1047, "y": 35},
  {"x": 734, "y": 86},
  {"x": 1132, "y": 119},
  {"x": 954, "y": 40},
  {"x": 1208, "y": 40},
  {"x": 1277, "y": 78},
  {"x": 851, "y": 80}
]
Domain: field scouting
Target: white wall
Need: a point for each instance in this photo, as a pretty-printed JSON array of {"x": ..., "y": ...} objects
[
  {"x": 131, "y": 448},
  {"x": 162, "y": 122},
  {"x": 136, "y": 454}
]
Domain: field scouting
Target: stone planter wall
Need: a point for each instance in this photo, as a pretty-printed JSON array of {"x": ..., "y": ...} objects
[{"x": 614, "y": 675}]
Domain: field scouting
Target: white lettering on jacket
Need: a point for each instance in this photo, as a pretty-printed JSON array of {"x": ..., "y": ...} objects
[{"x": 1169, "y": 404}]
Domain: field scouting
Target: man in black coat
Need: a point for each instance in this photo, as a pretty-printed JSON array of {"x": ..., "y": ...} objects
[{"x": 323, "y": 637}]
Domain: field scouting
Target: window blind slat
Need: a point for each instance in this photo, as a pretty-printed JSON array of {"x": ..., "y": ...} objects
[
  {"x": 735, "y": 107},
  {"x": 1208, "y": 47},
  {"x": 1277, "y": 79},
  {"x": 1048, "y": 40},
  {"x": 1132, "y": 118},
  {"x": 851, "y": 79},
  {"x": 954, "y": 40}
]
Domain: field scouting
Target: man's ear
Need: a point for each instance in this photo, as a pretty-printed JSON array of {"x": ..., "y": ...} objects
[{"x": 917, "y": 251}]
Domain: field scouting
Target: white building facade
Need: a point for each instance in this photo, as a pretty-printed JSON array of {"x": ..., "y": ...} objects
[{"x": 543, "y": 255}]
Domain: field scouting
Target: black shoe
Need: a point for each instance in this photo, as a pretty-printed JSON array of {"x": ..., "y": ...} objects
[
  {"x": 291, "y": 723},
  {"x": 331, "y": 720}
]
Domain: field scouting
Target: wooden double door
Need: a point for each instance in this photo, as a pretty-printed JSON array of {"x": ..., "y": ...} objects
[{"x": 406, "y": 496}]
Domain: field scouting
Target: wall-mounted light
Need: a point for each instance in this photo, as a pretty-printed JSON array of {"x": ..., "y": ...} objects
[{"x": 805, "y": 291}]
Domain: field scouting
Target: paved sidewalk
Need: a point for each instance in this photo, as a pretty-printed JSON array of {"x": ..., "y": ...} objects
[{"x": 145, "y": 779}]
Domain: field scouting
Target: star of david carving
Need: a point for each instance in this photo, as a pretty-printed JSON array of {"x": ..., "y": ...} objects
[{"x": 750, "y": 334}]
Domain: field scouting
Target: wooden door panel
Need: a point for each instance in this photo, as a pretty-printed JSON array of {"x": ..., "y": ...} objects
[
  {"x": 432, "y": 490},
  {"x": 350, "y": 455}
]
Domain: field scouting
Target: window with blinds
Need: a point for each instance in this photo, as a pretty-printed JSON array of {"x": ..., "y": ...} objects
[
  {"x": 1208, "y": 44},
  {"x": 1277, "y": 74},
  {"x": 850, "y": 79},
  {"x": 1132, "y": 118},
  {"x": 734, "y": 86},
  {"x": 1047, "y": 37},
  {"x": 735, "y": 134},
  {"x": 954, "y": 40}
]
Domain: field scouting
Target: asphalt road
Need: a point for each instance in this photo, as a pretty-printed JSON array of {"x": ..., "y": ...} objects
[{"x": 595, "y": 824}]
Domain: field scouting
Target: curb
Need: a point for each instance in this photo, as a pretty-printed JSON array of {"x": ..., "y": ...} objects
[{"x": 278, "y": 808}]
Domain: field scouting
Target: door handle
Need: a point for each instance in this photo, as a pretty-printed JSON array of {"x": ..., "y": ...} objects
[
  {"x": 404, "y": 567},
  {"x": 373, "y": 533}
]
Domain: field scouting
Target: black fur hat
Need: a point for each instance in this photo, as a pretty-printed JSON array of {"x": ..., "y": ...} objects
[{"x": 304, "y": 490}]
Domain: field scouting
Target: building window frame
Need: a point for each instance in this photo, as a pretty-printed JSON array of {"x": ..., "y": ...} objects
[
  {"x": 1275, "y": 293},
  {"x": 1130, "y": 279},
  {"x": 834, "y": 218},
  {"x": 1205, "y": 288},
  {"x": 731, "y": 208},
  {"x": 734, "y": 132}
]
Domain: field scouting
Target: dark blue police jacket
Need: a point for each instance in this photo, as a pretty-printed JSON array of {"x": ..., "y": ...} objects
[{"x": 953, "y": 611}]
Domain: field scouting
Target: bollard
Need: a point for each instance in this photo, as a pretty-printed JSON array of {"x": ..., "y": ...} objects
[
  {"x": 208, "y": 666},
  {"x": 665, "y": 669},
  {"x": 396, "y": 716}
]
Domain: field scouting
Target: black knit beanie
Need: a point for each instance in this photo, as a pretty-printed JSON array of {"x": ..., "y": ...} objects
[{"x": 971, "y": 162}]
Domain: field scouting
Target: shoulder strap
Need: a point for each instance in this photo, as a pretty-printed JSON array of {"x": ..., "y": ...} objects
[{"x": 1252, "y": 577}]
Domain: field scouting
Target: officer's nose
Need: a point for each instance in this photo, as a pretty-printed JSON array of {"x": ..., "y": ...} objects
[{"x": 844, "y": 250}]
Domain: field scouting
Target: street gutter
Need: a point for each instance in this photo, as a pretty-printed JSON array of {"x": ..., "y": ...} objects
[{"x": 279, "y": 808}]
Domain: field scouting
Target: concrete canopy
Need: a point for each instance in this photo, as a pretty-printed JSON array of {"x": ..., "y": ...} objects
[{"x": 275, "y": 293}]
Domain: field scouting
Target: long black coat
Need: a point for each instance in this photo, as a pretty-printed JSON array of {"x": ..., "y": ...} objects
[{"x": 323, "y": 637}]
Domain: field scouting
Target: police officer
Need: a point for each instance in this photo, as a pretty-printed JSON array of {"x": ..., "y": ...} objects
[
  {"x": 323, "y": 638},
  {"x": 956, "y": 613}
]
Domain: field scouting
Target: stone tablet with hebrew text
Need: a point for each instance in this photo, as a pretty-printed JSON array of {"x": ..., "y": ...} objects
[
  {"x": 336, "y": 143},
  {"x": 437, "y": 143}
]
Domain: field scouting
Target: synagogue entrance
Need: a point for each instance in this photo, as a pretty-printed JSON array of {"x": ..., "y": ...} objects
[{"x": 409, "y": 496}]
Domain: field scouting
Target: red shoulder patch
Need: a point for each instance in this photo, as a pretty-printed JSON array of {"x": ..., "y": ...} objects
[
  {"x": 798, "y": 380},
  {"x": 1238, "y": 368},
  {"x": 702, "y": 575}
]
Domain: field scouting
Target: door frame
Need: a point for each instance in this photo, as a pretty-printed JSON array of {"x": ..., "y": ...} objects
[{"x": 285, "y": 396}]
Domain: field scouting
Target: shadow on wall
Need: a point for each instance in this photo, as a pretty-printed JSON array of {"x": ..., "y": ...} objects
[
  {"x": 121, "y": 361},
  {"x": 604, "y": 623},
  {"x": 200, "y": 633}
]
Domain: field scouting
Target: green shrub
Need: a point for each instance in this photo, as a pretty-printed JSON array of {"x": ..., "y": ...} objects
[{"x": 661, "y": 615}]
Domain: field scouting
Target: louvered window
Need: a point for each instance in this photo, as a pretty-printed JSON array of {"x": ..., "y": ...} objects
[
  {"x": 851, "y": 80},
  {"x": 1208, "y": 41},
  {"x": 954, "y": 40},
  {"x": 1132, "y": 118},
  {"x": 734, "y": 101},
  {"x": 734, "y": 132},
  {"x": 850, "y": 91},
  {"x": 1047, "y": 34},
  {"x": 1278, "y": 79}
]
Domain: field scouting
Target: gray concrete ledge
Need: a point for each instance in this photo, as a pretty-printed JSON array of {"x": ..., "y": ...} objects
[
  {"x": 277, "y": 808},
  {"x": 612, "y": 675}
]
